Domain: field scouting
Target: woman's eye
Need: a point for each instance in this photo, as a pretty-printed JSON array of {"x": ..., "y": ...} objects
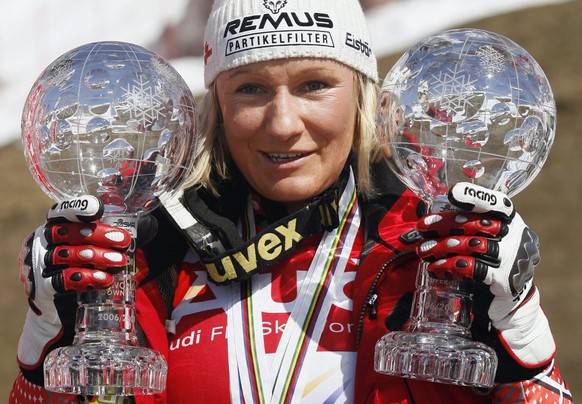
[
  {"x": 315, "y": 86},
  {"x": 248, "y": 89}
]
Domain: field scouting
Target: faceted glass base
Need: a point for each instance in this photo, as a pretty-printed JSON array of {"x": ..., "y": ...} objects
[
  {"x": 436, "y": 358},
  {"x": 105, "y": 368}
]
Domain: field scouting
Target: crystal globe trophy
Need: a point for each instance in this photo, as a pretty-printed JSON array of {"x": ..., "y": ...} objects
[
  {"x": 116, "y": 121},
  {"x": 465, "y": 105}
]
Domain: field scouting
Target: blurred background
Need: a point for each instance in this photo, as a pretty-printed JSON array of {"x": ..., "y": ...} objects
[{"x": 33, "y": 33}]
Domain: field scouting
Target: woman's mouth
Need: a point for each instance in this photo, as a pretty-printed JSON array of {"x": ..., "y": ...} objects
[{"x": 284, "y": 157}]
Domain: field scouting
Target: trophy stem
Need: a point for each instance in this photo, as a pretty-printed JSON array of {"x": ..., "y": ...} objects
[
  {"x": 105, "y": 358},
  {"x": 436, "y": 345}
]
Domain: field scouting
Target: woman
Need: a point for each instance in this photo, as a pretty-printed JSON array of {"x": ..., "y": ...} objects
[{"x": 302, "y": 264}]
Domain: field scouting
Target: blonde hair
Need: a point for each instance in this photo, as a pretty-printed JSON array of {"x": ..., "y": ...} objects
[{"x": 212, "y": 152}]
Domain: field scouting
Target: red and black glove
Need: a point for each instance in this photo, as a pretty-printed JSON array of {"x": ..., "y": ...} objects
[
  {"x": 487, "y": 241},
  {"x": 71, "y": 253}
]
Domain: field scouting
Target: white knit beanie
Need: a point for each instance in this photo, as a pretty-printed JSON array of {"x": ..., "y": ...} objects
[{"x": 240, "y": 32}]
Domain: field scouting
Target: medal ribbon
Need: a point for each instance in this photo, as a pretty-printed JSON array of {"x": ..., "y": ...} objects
[{"x": 281, "y": 382}]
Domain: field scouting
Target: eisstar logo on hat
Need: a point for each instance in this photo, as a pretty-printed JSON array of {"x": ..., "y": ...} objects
[{"x": 240, "y": 32}]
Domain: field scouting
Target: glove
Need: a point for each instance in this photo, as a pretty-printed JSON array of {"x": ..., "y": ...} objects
[
  {"x": 71, "y": 253},
  {"x": 488, "y": 242}
]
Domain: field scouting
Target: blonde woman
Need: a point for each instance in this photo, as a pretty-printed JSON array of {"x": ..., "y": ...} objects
[{"x": 274, "y": 273}]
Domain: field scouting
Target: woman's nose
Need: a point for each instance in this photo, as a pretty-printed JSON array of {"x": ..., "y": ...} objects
[{"x": 284, "y": 116}]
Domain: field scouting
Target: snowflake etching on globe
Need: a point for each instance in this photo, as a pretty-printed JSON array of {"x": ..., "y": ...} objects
[
  {"x": 144, "y": 103},
  {"x": 167, "y": 74},
  {"x": 61, "y": 72},
  {"x": 464, "y": 105},
  {"x": 493, "y": 62},
  {"x": 452, "y": 91}
]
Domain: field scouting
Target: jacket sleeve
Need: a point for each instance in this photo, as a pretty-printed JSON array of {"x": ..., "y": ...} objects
[
  {"x": 546, "y": 387},
  {"x": 24, "y": 391}
]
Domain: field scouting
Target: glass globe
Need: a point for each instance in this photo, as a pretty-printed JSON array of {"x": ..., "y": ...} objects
[
  {"x": 109, "y": 119},
  {"x": 467, "y": 105},
  {"x": 116, "y": 121}
]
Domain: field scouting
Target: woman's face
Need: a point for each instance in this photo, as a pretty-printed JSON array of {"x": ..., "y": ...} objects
[{"x": 289, "y": 125}]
